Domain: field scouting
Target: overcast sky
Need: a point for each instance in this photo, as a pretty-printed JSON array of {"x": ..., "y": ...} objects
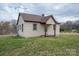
[{"x": 61, "y": 12}]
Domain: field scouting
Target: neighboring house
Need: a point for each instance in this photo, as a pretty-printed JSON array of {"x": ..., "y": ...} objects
[{"x": 29, "y": 25}]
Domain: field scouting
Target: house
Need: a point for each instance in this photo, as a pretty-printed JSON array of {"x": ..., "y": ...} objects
[{"x": 29, "y": 25}]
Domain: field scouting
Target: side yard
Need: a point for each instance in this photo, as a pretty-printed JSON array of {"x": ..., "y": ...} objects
[
  {"x": 62, "y": 45},
  {"x": 69, "y": 33}
]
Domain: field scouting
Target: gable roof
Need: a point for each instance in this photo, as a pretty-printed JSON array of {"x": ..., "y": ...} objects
[{"x": 35, "y": 18}]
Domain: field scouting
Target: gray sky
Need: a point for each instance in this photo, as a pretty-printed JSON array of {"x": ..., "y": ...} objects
[{"x": 61, "y": 12}]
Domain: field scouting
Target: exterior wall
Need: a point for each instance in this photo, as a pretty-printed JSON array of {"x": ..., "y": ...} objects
[
  {"x": 29, "y": 32},
  {"x": 57, "y": 29},
  {"x": 50, "y": 30},
  {"x": 20, "y": 24},
  {"x": 28, "y": 29},
  {"x": 50, "y": 21}
]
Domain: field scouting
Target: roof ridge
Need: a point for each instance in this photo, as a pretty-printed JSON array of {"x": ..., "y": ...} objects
[{"x": 30, "y": 14}]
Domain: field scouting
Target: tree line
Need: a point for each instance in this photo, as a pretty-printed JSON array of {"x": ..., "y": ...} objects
[
  {"x": 70, "y": 26},
  {"x": 8, "y": 27}
]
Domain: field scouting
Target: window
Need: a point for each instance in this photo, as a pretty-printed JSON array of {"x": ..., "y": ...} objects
[
  {"x": 34, "y": 26},
  {"x": 22, "y": 27}
]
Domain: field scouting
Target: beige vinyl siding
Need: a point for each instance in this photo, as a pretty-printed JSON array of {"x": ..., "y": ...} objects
[
  {"x": 28, "y": 29},
  {"x": 29, "y": 32},
  {"x": 57, "y": 29},
  {"x": 50, "y": 30},
  {"x": 50, "y": 21},
  {"x": 20, "y": 25}
]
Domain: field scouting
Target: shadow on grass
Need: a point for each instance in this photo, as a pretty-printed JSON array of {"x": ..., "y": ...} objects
[
  {"x": 12, "y": 37},
  {"x": 17, "y": 37}
]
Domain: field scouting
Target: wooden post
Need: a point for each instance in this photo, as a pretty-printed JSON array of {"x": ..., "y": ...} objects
[
  {"x": 54, "y": 29},
  {"x": 45, "y": 29}
]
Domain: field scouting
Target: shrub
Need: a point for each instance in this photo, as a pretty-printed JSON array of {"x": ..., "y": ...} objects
[{"x": 77, "y": 30}]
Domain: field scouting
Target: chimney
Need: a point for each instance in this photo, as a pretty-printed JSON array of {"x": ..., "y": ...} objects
[{"x": 42, "y": 15}]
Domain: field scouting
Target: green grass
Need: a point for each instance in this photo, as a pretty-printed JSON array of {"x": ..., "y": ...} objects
[{"x": 62, "y": 45}]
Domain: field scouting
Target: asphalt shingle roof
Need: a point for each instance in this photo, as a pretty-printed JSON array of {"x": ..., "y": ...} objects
[{"x": 36, "y": 18}]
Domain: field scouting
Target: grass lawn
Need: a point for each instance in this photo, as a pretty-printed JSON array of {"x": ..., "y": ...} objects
[{"x": 62, "y": 45}]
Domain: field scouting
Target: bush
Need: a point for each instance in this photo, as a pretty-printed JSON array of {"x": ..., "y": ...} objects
[
  {"x": 77, "y": 30},
  {"x": 61, "y": 30}
]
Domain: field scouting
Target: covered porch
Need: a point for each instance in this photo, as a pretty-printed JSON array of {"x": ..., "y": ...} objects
[{"x": 50, "y": 29}]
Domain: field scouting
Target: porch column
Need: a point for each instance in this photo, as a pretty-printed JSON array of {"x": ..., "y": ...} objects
[
  {"x": 54, "y": 29},
  {"x": 45, "y": 30}
]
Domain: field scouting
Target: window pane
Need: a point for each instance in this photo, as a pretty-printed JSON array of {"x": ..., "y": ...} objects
[{"x": 34, "y": 26}]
